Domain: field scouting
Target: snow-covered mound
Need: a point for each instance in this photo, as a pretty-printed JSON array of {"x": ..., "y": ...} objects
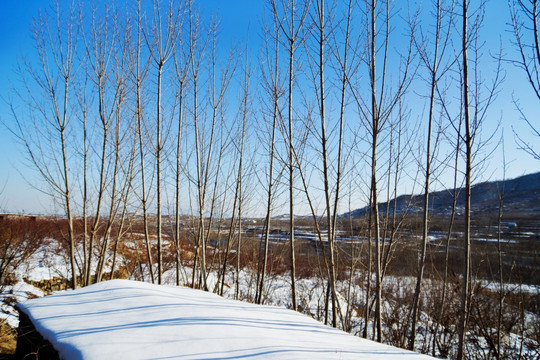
[{"x": 123, "y": 319}]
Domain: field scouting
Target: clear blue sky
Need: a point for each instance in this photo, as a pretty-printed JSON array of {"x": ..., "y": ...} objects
[
  {"x": 16, "y": 17},
  {"x": 237, "y": 17}
]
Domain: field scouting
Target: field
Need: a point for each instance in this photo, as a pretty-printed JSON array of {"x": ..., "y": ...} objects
[{"x": 44, "y": 262}]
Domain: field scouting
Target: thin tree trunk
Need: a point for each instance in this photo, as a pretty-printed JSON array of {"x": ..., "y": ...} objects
[
  {"x": 85, "y": 198},
  {"x": 158, "y": 175},
  {"x": 344, "y": 66},
  {"x": 275, "y": 109},
  {"x": 425, "y": 216},
  {"x": 67, "y": 194},
  {"x": 97, "y": 216},
  {"x": 245, "y": 114},
  {"x": 177, "y": 193},
  {"x": 464, "y": 312},
  {"x": 112, "y": 210},
  {"x": 447, "y": 246},
  {"x": 291, "y": 167},
  {"x": 368, "y": 272},
  {"x": 144, "y": 197},
  {"x": 500, "y": 265},
  {"x": 330, "y": 223},
  {"x": 375, "y": 208}
]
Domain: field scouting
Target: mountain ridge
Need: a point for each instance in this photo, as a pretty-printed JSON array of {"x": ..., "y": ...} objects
[{"x": 520, "y": 194}]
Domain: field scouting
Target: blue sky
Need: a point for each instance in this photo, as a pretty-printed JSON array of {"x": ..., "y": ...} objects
[
  {"x": 16, "y": 179},
  {"x": 238, "y": 18}
]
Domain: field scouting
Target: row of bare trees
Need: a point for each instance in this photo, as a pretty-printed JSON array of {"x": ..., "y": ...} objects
[{"x": 139, "y": 119}]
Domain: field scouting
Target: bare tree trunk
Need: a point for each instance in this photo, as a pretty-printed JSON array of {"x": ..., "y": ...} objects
[
  {"x": 229, "y": 238},
  {"x": 100, "y": 46},
  {"x": 375, "y": 214},
  {"x": 381, "y": 105},
  {"x": 502, "y": 293},
  {"x": 83, "y": 105},
  {"x": 368, "y": 270},
  {"x": 139, "y": 115},
  {"x": 447, "y": 244},
  {"x": 274, "y": 89},
  {"x": 161, "y": 45},
  {"x": 159, "y": 147},
  {"x": 203, "y": 166},
  {"x": 375, "y": 128},
  {"x": 67, "y": 196},
  {"x": 112, "y": 206},
  {"x": 124, "y": 199},
  {"x": 425, "y": 216},
  {"x": 344, "y": 69},
  {"x": 464, "y": 311},
  {"x": 321, "y": 39},
  {"x": 291, "y": 170},
  {"x": 245, "y": 114},
  {"x": 291, "y": 30},
  {"x": 177, "y": 185}
]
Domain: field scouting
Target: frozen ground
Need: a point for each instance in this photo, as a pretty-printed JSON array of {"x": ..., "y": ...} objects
[
  {"x": 135, "y": 320},
  {"x": 19, "y": 292},
  {"x": 49, "y": 262}
]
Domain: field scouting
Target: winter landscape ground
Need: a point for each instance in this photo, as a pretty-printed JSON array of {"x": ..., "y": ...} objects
[
  {"x": 48, "y": 263},
  {"x": 122, "y": 319}
]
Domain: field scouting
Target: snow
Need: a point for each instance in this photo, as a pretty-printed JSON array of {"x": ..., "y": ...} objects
[
  {"x": 19, "y": 292},
  {"x": 134, "y": 320},
  {"x": 45, "y": 264}
]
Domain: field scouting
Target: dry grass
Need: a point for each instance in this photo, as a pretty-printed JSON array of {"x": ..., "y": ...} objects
[{"x": 8, "y": 338}]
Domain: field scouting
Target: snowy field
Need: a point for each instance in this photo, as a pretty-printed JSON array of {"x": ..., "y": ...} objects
[
  {"x": 134, "y": 320},
  {"x": 141, "y": 315}
]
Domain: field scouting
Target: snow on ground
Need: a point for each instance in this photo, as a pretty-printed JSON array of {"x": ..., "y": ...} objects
[
  {"x": 511, "y": 288},
  {"x": 135, "y": 320},
  {"x": 45, "y": 263},
  {"x": 20, "y": 292}
]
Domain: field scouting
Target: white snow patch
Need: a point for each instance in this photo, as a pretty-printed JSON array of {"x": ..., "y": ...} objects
[
  {"x": 20, "y": 291},
  {"x": 135, "y": 320}
]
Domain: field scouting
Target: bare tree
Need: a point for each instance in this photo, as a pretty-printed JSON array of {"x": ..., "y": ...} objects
[
  {"x": 273, "y": 87},
  {"x": 182, "y": 60},
  {"x": 325, "y": 44},
  {"x": 45, "y": 121},
  {"x": 291, "y": 22},
  {"x": 139, "y": 75},
  {"x": 244, "y": 115},
  {"x": 474, "y": 114},
  {"x": 375, "y": 114},
  {"x": 119, "y": 185},
  {"x": 161, "y": 41},
  {"x": 126, "y": 190},
  {"x": 434, "y": 62},
  {"x": 455, "y": 194},
  {"x": 100, "y": 40}
]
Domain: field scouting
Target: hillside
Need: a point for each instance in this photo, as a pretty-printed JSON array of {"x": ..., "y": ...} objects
[
  {"x": 520, "y": 194},
  {"x": 123, "y": 319}
]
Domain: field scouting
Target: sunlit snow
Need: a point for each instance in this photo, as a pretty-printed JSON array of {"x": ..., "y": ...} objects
[{"x": 124, "y": 319}]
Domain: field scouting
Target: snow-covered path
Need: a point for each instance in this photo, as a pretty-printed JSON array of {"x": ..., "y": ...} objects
[{"x": 124, "y": 319}]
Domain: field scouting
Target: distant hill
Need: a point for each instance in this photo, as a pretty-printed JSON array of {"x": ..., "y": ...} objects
[{"x": 520, "y": 194}]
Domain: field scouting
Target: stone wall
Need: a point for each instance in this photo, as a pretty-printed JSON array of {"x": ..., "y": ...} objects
[{"x": 54, "y": 284}]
